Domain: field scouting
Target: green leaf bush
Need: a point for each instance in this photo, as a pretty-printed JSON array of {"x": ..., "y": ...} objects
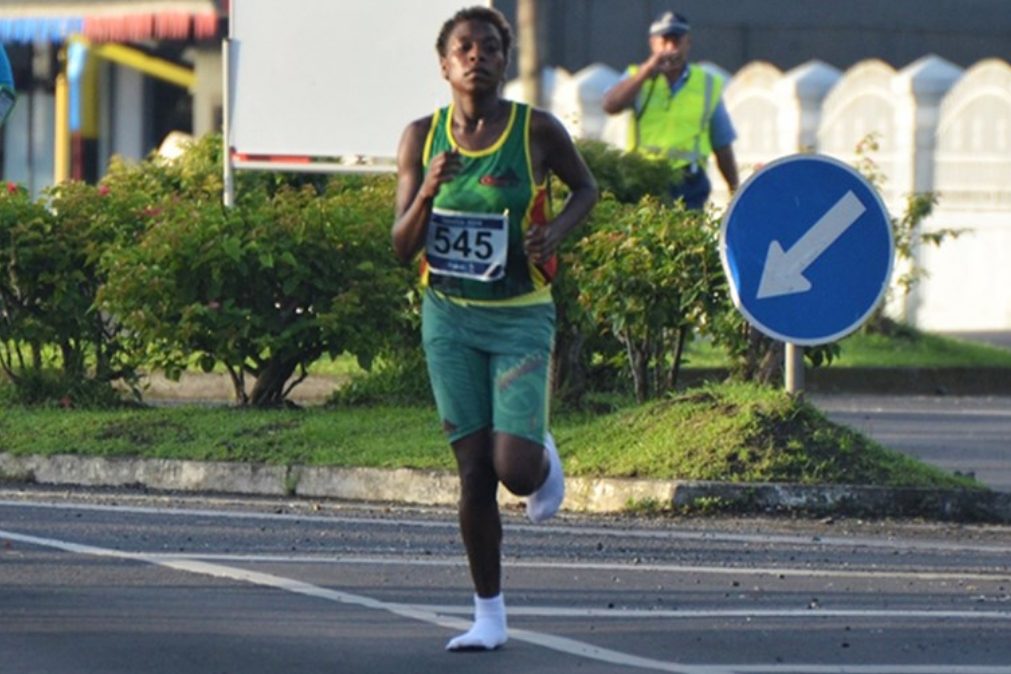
[
  {"x": 649, "y": 274},
  {"x": 148, "y": 270},
  {"x": 628, "y": 177},
  {"x": 265, "y": 288},
  {"x": 55, "y": 343}
]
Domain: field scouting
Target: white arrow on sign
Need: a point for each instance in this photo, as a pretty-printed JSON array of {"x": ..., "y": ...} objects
[{"x": 783, "y": 273}]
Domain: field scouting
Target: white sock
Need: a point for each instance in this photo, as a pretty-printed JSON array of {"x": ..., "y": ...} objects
[
  {"x": 546, "y": 501},
  {"x": 489, "y": 630}
]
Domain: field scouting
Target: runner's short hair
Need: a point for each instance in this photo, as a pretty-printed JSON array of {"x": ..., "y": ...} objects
[{"x": 486, "y": 14}]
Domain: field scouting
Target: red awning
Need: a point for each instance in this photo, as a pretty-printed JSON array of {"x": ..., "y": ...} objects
[{"x": 109, "y": 20}]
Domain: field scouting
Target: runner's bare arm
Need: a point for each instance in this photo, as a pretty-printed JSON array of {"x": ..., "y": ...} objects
[
  {"x": 416, "y": 189},
  {"x": 552, "y": 151}
]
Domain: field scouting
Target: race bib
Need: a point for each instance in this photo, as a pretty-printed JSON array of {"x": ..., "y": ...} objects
[{"x": 468, "y": 245}]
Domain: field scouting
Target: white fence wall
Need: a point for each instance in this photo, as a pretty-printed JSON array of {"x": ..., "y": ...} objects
[
  {"x": 938, "y": 128},
  {"x": 970, "y": 279},
  {"x": 860, "y": 104},
  {"x": 752, "y": 98}
]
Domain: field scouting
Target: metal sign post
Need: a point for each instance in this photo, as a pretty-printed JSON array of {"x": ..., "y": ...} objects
[
  {"x": 807, "y": 248},
  {"x": 793, "y": 370}
]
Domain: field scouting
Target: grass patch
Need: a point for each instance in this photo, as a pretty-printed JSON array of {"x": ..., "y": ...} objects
[
  {"x": 378, "y": 437},
  {"x": 906, "y": 348},
  {"x": 911, "y": 348},
  {"x": 737, "y": 433},
  {"x": 726, "y": 432},
  {"x": 343, "y": 367}
]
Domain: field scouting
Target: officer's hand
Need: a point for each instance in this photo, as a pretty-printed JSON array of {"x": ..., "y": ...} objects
[{"x": 661, "y": 61}]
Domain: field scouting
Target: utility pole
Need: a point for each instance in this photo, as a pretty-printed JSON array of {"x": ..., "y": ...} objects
[{"x": 528, "y": 38}]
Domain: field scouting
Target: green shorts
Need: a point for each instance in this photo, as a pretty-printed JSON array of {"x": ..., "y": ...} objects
[{"x": 489, "y": 365}]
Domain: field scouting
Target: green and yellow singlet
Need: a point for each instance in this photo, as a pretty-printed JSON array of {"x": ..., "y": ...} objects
[{"x": 474, "y": 248}]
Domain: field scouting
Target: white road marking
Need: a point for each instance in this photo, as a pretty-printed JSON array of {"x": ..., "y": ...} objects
[
  {"x": 709, "y": 536},
  {"x": 427, "y": 615},
  {"x": 587, "y": 566}
]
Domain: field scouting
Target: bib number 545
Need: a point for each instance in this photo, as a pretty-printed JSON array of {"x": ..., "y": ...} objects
[
  {"x": 465, "y": 242},
  {"x": 468, "y": 245}
]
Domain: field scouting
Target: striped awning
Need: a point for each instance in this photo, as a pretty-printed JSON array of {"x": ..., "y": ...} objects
[{"x": 108, "y": 21}]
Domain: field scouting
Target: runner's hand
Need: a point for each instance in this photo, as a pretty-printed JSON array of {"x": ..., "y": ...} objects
[
  {"x": 441, "y": 170},
  {"x": 540, "y": 243}
]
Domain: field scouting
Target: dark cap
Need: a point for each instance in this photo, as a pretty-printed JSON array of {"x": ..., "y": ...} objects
[{"x": 669, "y": 23}]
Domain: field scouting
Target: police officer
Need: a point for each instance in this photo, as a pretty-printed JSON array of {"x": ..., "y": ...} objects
[{"x": 678, "y": 111}]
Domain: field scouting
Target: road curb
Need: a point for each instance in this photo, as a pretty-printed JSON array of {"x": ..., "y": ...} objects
[{"x": 587, "y": 495}]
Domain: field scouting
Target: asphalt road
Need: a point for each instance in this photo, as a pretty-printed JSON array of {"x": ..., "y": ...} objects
[
  {"x": 970, "y": 435},
  {"x": 123, "y": 582}
]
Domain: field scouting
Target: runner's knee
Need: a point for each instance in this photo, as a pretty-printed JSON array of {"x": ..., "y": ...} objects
[{"x": 519, "y": 463}]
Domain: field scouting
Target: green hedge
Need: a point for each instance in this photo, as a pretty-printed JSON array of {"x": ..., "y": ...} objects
[{"x": 148, "y": 270}]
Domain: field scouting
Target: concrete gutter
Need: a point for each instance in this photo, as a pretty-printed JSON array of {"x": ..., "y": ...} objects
[{"x": 588, "y": 495}]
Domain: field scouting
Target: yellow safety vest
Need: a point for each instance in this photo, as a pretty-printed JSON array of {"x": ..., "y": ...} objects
[{"x": 676, "y": 127}]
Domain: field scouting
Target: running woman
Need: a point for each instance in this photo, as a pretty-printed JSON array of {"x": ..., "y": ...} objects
[{"x": 472, "y": 199}]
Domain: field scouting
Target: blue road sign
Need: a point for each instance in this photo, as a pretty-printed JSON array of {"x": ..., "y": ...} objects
[{"x": 807, "y": 247}]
